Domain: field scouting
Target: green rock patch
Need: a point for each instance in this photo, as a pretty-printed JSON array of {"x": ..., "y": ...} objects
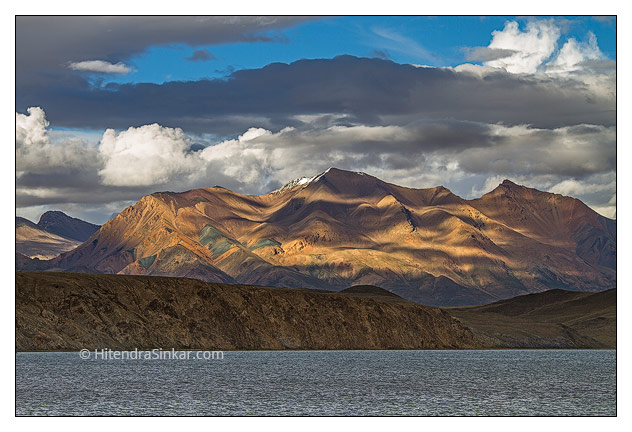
[
  {"x": 146, "y": 262},
  {"x": 216, "y": 241}
]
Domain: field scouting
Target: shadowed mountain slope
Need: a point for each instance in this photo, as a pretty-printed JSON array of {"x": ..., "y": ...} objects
[
  {"x": 342, "y": 228},
  {"x": 63, "y": 225},
  {"x": 552, "y": 319}
]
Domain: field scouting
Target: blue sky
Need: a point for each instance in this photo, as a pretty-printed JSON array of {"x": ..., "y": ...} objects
[{"x": 433, "y": 41}]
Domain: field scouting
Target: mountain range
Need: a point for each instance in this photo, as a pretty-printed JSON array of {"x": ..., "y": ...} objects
[
  {"x": 342, "y": 228},
  {"x": 54, "y": 234}
]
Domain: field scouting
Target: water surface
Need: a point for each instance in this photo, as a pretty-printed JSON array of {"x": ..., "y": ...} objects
[{"x": 446, "y": 383}]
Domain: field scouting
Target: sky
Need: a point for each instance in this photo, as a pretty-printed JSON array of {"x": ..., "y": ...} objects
[{"x": 109, "y": 109}]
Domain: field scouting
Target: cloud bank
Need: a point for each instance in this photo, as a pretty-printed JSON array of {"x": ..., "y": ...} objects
[
  {"x": 371, "y": 91},
  {"x": 419, "y": 154},
  {"x": 145, "y": 156}
]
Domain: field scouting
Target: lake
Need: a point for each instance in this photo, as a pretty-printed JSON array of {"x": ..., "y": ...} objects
[{"x": 317, "y": 383}]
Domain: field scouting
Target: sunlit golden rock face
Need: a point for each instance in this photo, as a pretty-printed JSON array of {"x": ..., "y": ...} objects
[{"x": 343, "y": 228}]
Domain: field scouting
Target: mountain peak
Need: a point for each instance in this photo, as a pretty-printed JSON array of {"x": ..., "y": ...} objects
[
  {"x": 60, "y": 223},
  {"x": 329, "y": 174},
  {"x": 338, "y": 171},
  {"x": 301, "y": 181}
]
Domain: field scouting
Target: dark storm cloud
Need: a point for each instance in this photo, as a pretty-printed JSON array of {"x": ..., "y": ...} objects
[
  {"x": 201, "y": 55},
  {"x": 575, "y": 151},
  {"x": 372, "y": 91},
  {"x": 382, "y": 54},
  {"x": 46, "y": 44}
]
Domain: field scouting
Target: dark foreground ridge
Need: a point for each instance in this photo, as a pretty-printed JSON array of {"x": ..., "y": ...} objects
[
  {"x": 71, "y": 311},
  {"x": 552, "y": 319}
]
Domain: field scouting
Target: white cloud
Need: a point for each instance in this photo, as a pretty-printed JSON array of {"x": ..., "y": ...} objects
[
  {"x": 30, "y": 129},
  {"x": 530, "y": 47},
  {"x": 100, "y": 66},
  {"x": 573, "y": 187},
  {"x": 147, "y": 155},
  {"x": 534, "y": 50},
  {"x": 609, "y": 211},
  {"x": 36, "y": 153},
  {"x": 253, "y": 133},
  {"x": 573, "y": 55},
  {"x": 246, "y": 159}
]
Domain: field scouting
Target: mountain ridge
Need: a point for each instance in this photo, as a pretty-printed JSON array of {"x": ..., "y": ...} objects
[
  {"x": 341, "y": 228},
  {"x": 60, "y": 223}
]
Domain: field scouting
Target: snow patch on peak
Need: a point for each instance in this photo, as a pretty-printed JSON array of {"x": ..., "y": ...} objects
[
  {"x": 302, "y": 181},
  {"x": 305, "y": 181},
  {"x": 319, "y": 176}
]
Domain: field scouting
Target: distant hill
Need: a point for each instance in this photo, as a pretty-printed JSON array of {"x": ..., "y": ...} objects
[
  {"x": 342, "y": 228},
  {"x": 34, "y": 242},
  {"x": 552, "y": 319},
  {"x": 59, "y": 223},
  {"x": 370, "y": 291}
]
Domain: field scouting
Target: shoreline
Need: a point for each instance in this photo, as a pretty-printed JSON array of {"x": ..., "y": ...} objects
[{"x": 322, "y": 350}]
